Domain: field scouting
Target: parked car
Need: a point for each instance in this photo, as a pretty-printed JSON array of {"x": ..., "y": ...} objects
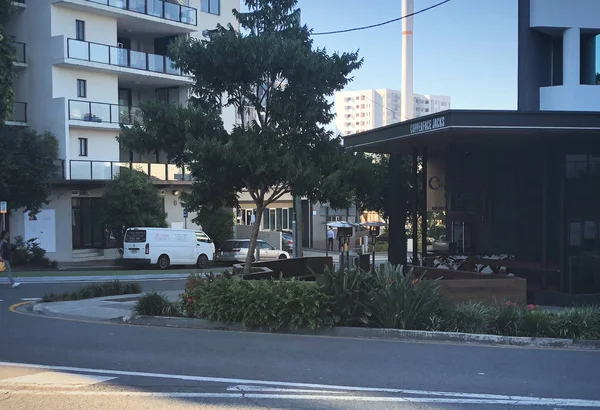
[
  {"x": 167, "y": 246},
  {"x": 287, "y": 241},
  {"x": 236, "y": 250}
]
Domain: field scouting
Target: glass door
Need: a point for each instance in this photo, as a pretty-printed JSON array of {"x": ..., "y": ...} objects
[{"x": 125, "y": 104}]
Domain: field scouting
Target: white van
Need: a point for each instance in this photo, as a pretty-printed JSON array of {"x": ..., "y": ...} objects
[{"x": 166, "y": 246}]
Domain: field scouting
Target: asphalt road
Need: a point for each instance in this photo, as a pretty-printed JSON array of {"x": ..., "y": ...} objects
[{"x": 131, "y": 367}]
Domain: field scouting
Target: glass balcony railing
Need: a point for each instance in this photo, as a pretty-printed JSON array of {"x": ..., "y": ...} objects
[
  {"x": 83, "y": 170},
  {"x": 80, "y": 110},
  {"x": 20, "y": 52},
  {"x": 162, "y": 9},
  {"x": 19, "y": 112},
  {"x": 122, "y": 57}
]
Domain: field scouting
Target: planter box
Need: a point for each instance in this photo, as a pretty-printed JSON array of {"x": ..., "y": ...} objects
[
  {"x": 302, "y": 268},
  {"x": 461, "y": 286}
]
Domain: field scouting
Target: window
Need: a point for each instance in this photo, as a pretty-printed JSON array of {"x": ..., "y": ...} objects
[
  {"x": 83, "y": 147},
  {"x": 202, "y": 237},
  {"x": 80, "y": 30},
  {"x": 81, "y": 88},
  {"x": 169, "y": 95},
  {"x": 211, "y": 6},
  {"x": 285, "y": 214}
]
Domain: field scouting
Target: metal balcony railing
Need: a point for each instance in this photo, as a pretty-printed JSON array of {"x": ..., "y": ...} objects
[
  {"x": 162, "y": 9},
  {"x": 122, "y": 57},
  {"x": 91, "y": 111},
  {"x": 83, "y": 170},
  {"x": 20, "y": 51},
  {"x": 19, "y": 112}
]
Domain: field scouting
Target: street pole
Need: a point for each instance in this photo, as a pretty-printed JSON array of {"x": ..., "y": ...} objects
[{"x": 298, "y": 226}]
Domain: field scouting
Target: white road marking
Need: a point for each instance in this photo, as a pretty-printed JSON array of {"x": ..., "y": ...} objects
[
  {"x": 514, "y": 402},
  {"x": 30, "y": 299},
  {"x": 348, "y": 389},
  {"x": 278, "y": 390},
  {"x": 55, "y": 379}
]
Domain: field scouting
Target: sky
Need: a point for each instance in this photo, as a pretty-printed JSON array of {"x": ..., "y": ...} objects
[{"x": 466, "y": 49}]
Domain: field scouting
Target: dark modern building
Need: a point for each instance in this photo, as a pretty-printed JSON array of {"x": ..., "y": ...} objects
[{"x": 525, "y": 182}]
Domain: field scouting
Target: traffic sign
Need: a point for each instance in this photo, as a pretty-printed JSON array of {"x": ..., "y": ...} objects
[
  {"x": 185, "y": 213},
  {"x": 3, "y": 207}
]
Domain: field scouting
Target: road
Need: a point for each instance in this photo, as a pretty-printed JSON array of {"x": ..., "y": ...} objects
[{"x": 92, "y": 365}]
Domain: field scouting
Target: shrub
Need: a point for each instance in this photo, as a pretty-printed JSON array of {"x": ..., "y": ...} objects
[
  {"x": 156, "y": 304},
  {"x": 30, "y": 253},
  {"x": 114, "y": 288},
  {"x": 268, "y": 304},
  {"x": 401, "y": 300},
  {"x": 468, "y": 318},
  {"x": 579, "y": 323},
  {"x": 348, "y": 295}
]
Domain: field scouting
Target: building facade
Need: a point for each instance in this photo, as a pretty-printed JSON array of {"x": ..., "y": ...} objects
[
  {"x": 83, "y": 68},
  {"x": 524, "y": 183},
  {"x": 363, "y": 110}
]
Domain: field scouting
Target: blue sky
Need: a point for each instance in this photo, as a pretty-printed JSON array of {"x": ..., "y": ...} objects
[{"x": 466, "y": 49}]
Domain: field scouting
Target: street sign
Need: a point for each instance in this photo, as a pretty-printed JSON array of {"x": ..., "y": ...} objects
[
  {"x": 3, "y": 207},
  {"x": 185, "y": 213}
]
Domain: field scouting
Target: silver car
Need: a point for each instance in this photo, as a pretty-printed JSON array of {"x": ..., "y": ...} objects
[{"x": 236, "y": 250}]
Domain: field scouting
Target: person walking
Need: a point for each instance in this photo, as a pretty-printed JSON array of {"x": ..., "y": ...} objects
[
  {"x": 6, "y": 256},
  {"x": 330, "y": 236}
]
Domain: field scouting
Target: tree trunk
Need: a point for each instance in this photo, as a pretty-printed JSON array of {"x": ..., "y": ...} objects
[
  {"x": 253, "y": 239},
  {"x": 397, "y": 213}
]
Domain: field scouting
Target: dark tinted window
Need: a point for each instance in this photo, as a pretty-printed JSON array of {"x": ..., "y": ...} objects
[
  {"x": 135, "y": 235},
  {"x": 228, "y": 246}
]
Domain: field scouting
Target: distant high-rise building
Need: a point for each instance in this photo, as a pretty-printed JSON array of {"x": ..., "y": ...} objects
[{"x": 363, "y": 110}]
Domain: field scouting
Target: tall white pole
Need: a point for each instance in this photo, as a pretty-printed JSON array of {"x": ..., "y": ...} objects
[{"x": 407, "y": 100}]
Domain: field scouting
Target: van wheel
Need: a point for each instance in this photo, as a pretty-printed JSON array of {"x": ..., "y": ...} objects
[
  {"x": 282, "y": 256},
  {"x": 163, "y": 262},
  {"x": 202, "y": 261}
]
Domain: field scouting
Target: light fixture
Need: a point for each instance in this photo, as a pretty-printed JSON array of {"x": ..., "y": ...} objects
[{"x": 176, "y": 192}]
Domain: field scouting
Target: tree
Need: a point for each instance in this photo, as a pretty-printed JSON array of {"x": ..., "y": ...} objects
[
  {"x": 28, "y": 163},
  {"x": 217, "y": 224},
  {"x": 131, "y": 200},
  {"x": 270, "y": 66},
  {"x": 7, "y": 58}
]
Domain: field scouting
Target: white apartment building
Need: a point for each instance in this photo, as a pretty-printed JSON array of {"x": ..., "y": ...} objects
[
  {"x": 83, "y": 67},
  {"x": 363, "y": 110}
]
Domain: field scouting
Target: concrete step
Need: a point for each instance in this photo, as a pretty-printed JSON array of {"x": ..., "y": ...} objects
[{"x": 86, "y": 255}]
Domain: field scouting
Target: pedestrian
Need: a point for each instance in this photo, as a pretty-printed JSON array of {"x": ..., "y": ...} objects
[
  {"x": 6, "y": 256},
  {"x": 330, "y": 236}
]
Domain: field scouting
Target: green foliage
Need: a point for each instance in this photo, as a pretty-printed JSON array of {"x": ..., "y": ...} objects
[
  {"x": 7, "y": 58},
  {"x": 401, "y": 300},
  {"x": 131, "y": 200},
  {"x": 268, "y": 64},
  {"x": 30, "y": 253},
  {"x": 580, "y": 323},
  {"x": 348, "y": 293},
  {"x": 266, "y": 304},
  {"x": 156, "y": 304},
  {"x": 28, "y": 162},
  {"x": 469, "y": 318},
  {"x": 113, "y": 288},
  {"x": 217, "y": 223}
]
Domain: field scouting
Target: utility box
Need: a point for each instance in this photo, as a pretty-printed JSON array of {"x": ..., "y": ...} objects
[{"x": 362, "y": 262}]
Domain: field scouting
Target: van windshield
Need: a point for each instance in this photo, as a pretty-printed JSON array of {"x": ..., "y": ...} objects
[{"x": 135, "y": 235}]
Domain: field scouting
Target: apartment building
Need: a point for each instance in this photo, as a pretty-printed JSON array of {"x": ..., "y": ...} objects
[
  {"x": 363, "y": 110},
  {"x": 83, "y": 68}
]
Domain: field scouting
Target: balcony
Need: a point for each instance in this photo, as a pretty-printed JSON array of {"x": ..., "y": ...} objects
[
  {"x": 151, "y": 17},
  {"x": 135, "y": 66},
  {"x": 155, "y": 8},
  {"x": 19, "y": 115},
  {"x": 92, "y": 114},
  {"x": 82, "y": 170},
  {"x": 20, "y": 54}
]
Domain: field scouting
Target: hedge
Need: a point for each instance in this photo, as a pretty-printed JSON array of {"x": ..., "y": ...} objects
[{"x": 388, "y": 299}]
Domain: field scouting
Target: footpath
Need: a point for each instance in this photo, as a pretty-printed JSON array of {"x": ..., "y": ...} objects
[{"x": 102, "y": 309}]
